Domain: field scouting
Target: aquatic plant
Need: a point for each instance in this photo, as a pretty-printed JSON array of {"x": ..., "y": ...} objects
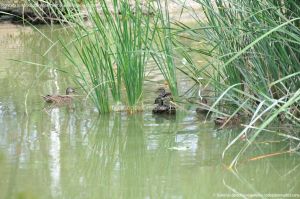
[
  {"x": 163, "y": 47},
  {"x": 252, "y": 51},
  {"x": 111, "y": 50},
  {"x": 114, "y": 49}
]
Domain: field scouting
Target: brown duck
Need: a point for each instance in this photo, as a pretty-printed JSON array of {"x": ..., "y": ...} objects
[
  {"x": 60, "y": 99},
  {"x": 162, "y": 94},
  {"x": 204, "y": 109},
  {"x": 164, "y": 107},
  {"x": 222, "y": 121},
  {"x": 164, "y": 104}
]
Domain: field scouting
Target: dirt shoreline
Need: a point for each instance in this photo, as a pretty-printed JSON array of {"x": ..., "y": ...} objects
[{"x": 177, "y": 11}]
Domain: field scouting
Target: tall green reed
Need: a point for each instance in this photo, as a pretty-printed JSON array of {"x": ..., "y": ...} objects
[
  {"x": 253, "y": 49},
  {"x": 113, "y": 48},
  {"x": 133, "y": 34},
  {"x": 254, "y": 42},
  {"x": 250, "y": 44},
  {"x": 164, "y": 48}
]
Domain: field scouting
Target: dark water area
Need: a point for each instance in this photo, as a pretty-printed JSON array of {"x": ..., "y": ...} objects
[{"x": 72, "y": 152}]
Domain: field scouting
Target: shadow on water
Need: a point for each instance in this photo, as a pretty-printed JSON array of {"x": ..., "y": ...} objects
[{"x": 74, "y": 153}]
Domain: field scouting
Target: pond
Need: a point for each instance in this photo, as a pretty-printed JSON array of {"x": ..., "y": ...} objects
[{"x": 63, "y": 152}]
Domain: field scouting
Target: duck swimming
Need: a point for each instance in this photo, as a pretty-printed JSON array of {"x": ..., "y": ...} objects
[
  {"x": 222, "y": 121},
  {"x": 60, "y": 99},
  {"x": 164, "y": 104},
  {"x": 204, "y": 109},
  {"x": 164, "y": 107},
  {"x": 162, "y": 94}
]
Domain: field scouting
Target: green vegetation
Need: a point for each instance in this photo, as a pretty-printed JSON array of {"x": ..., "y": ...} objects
[
  {"x": 251, "y": 50},
  {"x": 163, "y": 52},
  {"x": 254, "y": 48},
  {"x": 114, "y": 49}
]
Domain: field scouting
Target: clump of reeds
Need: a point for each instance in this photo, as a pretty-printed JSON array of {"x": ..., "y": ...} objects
[
  {"x": 253, "y": 49},
  {"x": 113, "y": 50}
]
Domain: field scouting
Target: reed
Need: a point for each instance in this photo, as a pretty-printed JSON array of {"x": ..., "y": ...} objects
[
  {"x": 253, "y": 59},
  {"x": 163, "y": 47},
  {"x": 113, "y": 49}
]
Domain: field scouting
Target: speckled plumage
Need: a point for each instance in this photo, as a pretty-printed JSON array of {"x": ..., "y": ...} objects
[
  {"x": 220, "y": 121},
  {"x": 163, "y": 102},
  {"x": 60, "y": 99}
]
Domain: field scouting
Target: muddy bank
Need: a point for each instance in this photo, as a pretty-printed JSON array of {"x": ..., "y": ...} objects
[
  {"x": 19, "y": 12},
  {"x": 183, "y": 11}
]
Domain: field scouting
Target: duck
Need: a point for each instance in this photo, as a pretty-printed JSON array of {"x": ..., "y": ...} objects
[
  {"x": 203, "y": 110},
  {"x": 163, "y": 102},
  {"x": 221, "y": 121},
  {"x": 60, "y": 99},
  {"x": 162, "y": 108},
  {"x": 159, "y": 109},
  {"x": 162, "y": 94}
]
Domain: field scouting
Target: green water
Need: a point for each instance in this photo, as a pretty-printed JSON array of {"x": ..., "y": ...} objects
[{"x": 74, "y": 153}]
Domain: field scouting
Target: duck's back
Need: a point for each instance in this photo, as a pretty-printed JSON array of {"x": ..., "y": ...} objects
[{"x": 57, "y": 99}]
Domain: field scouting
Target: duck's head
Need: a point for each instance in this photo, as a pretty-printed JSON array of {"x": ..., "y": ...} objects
[
  {"x": 161, "y": 91},
  {"x": 203, "y": 100},
  {"x": 70, "y": 91}
]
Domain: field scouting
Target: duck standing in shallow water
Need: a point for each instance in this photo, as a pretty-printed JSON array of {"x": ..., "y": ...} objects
[{"x": 60, "y": 99}]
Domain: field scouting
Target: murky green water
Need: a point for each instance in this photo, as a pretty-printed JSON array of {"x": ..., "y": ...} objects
[{"x": 74, "y": 153}]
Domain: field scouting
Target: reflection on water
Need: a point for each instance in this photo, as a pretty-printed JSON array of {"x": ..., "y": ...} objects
[
  {"x": 54, "y": 153},
  {"x": 74, "y": 153}
]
